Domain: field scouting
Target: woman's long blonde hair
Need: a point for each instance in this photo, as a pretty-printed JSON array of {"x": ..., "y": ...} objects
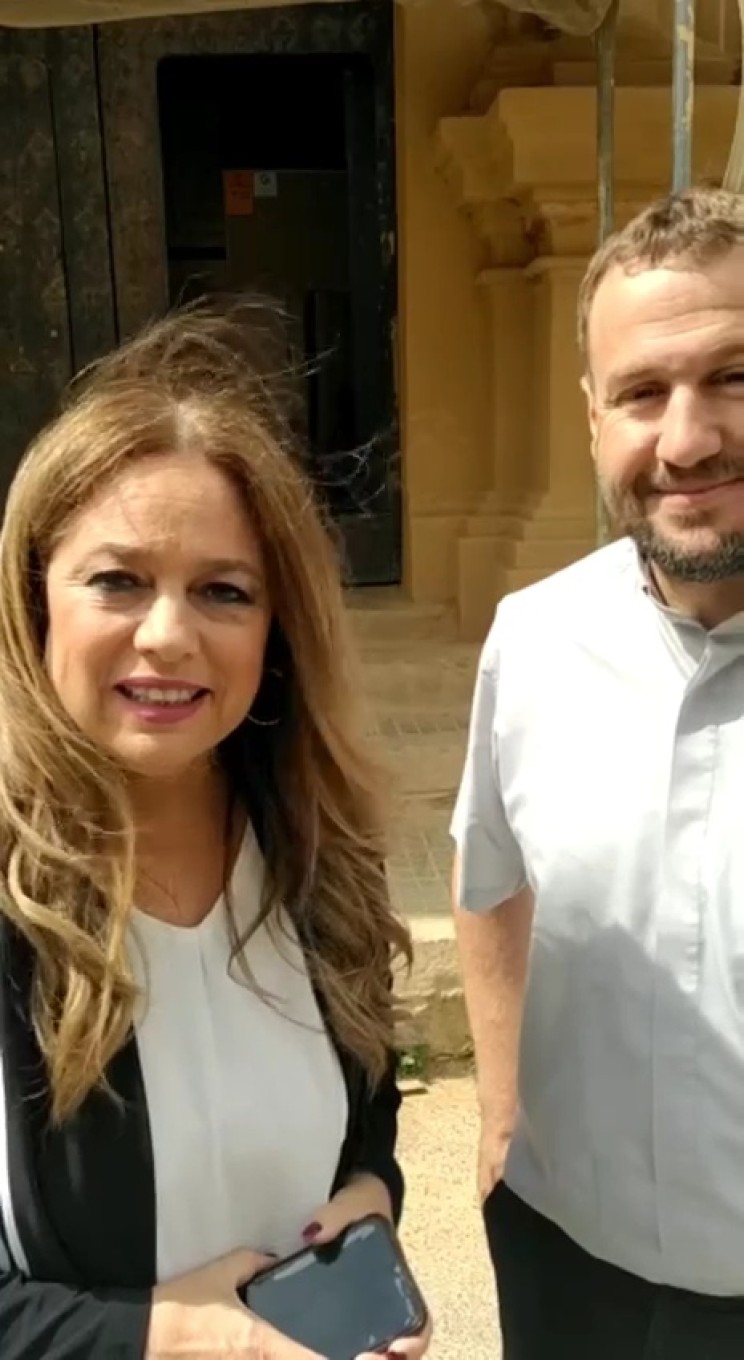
[{"x": 189, "y": 383}]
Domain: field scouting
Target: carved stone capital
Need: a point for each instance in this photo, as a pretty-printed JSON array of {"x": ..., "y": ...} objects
[
  {"x": 474, "y": 155},
  {"x": 525, "y": 172}
]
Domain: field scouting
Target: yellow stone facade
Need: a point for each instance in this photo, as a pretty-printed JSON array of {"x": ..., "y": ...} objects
[
  {"x": 496, "y": 165},
  {"x": 497, "y": 218}
]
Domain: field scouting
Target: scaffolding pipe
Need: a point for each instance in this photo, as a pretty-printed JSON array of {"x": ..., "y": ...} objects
[
  {"x": 606, "y": 45},
  {"x": 683, "y": 91}
]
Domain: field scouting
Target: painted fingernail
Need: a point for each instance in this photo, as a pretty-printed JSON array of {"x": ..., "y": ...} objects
[{"x": 312, "y": 1231}]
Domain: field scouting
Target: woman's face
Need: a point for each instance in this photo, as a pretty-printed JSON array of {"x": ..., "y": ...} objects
[{"x": 158, "y": 615}]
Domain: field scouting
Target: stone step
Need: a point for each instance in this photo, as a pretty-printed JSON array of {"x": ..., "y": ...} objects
[
  {"x": 418, "y": 681},
  {"x": 520, "y": 577},
  {"x": 422, "y": 675},
  {"x": 431, "y": 995},
  {"x": 383, "y": 614},
  {"x": 425, "y": 770},
  {"x": 550, "y": 555}
]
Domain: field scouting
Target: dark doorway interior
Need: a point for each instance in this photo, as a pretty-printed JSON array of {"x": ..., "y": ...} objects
[{"x": 272, "y": 185}]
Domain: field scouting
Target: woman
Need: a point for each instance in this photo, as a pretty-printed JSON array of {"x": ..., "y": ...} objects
[{"x": 196, "y": 933}]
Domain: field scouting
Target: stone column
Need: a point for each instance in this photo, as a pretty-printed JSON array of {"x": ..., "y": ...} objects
[
  {"x": 562, "y": 470},
  {"x": 507, "y": 294},
  {"x": 524, "y": 173}
]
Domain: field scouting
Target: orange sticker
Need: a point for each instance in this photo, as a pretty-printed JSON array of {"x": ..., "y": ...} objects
[{"x": 239, "y": 192}]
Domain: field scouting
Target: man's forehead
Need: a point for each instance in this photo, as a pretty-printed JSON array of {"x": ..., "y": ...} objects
[{"x": 672, "y": 308}]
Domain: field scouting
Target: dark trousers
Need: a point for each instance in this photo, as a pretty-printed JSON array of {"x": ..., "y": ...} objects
[{"x": 557, "y": 1302}]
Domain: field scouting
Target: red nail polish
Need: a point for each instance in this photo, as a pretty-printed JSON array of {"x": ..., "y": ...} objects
[{"x": 311, "y": 1231}]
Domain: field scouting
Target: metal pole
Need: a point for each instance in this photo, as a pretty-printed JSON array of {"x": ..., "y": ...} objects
[
  {"x": 683, "y": 91},
  {"x": 605, "y": 44}
]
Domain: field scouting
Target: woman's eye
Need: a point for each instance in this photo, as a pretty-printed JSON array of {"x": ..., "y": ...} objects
[
  {"x": 113, "y": 582},
  {"x": 734, "y": 378},
  {"x": 224, "y": 592}
]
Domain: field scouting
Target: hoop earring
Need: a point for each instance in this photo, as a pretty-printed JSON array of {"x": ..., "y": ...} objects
[
  {"x": 265, "y": 722},
  {"x": 262, "y": 722}
]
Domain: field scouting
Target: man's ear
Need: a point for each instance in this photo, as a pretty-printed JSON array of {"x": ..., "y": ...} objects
[{"x": 591, "y": 409}]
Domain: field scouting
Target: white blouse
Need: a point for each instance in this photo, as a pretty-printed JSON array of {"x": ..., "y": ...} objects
[{"x": 245, "y": 1093}]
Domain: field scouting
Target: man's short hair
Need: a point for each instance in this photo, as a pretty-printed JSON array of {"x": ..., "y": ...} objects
[{"x": 695, "y": 225}]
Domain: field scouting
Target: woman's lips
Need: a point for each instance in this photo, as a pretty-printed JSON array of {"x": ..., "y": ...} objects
[{"x": 161, "y": 704}]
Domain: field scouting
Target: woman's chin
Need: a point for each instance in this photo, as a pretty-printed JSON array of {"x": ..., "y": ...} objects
[{"x": 154, "y": 757}]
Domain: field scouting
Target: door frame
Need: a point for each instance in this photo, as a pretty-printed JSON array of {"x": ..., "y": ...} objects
[{"x": 129, "y": 54}]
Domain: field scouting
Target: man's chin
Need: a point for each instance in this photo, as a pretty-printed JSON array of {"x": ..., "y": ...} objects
[{"x": 697, "y": 555}]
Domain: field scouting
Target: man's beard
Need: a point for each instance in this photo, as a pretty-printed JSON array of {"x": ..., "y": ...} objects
[
  {"x": 723, "y": 556},
  {"x": 718, "y": 563}
]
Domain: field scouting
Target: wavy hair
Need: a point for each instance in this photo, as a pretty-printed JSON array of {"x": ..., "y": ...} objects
[{"x": 194, "y": 382}]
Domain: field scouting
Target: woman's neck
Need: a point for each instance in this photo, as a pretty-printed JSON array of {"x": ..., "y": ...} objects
[
  {"x": 171, "y": 813},
  {"x": 186, "y": 846}
]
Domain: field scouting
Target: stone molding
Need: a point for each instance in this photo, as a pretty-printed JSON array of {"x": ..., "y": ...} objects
[{"x": 524, "y": 171}]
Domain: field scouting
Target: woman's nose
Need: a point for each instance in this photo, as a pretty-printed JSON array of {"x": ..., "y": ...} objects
[{"x": 167, "y": 629}]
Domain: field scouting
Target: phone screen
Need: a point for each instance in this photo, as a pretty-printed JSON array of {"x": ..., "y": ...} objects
[{"x": 355, "y": 1295}]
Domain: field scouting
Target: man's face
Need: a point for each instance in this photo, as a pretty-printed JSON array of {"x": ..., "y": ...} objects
[{"x": 666, "y": 408}]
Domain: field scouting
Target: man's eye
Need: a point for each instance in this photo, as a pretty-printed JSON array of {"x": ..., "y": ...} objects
[
  {"x": 648, "y": 392},
  {"x": 113, "y": 582},
  {"x": 224, "y": 592},
  {"x": 733, "y": 378}
]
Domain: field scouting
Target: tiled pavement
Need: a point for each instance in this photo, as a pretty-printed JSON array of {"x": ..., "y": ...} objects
[
  {"x": 418, "y": 684},
  {"x": 420, "y": 721}
]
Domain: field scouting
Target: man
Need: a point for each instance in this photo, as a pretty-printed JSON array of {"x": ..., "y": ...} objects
[{"x": 600, "y": 836}]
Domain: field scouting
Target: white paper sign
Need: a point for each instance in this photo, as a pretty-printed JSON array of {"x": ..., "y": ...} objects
[{"x": 265, "y": 184}]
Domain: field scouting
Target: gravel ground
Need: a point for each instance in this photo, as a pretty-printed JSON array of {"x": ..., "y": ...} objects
[{"x": 442, "y": 1230}]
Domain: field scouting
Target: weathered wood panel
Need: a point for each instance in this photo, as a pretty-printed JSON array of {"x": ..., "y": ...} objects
[
  {"x": 35, "y": 360},
  {"x": 83, "y": 195}
]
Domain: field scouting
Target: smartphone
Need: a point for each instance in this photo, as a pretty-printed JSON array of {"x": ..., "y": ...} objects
[{"x": 356, "y": 1294}]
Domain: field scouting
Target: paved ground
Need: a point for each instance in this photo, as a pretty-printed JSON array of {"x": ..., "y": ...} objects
[
  {"x": 442, "y": 1229},
  {"x": 419, "y": 689},
  {"x": 419, "y": 682}
]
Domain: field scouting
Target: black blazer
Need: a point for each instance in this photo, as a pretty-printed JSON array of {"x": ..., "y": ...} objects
[{"x": 78, "y": 1230}]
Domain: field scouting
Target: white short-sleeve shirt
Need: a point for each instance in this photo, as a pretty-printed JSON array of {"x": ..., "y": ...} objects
[
  {"x": 606, "y": 770},
  {"x": 245, "y": 1094}
]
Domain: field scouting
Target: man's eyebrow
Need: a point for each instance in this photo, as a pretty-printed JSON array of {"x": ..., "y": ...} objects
[{"x": 650, "y": 372}]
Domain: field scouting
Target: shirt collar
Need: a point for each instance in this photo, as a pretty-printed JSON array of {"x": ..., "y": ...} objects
[{"x": 733, "y": 627}]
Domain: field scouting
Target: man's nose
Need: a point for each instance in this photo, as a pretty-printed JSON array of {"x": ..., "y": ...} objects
[
  {"x": 690, "y": 433},
  {"x": 167, "y": 629}
]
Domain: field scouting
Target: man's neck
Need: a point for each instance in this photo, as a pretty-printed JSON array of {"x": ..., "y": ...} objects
[{"x": 709, "y": 604}]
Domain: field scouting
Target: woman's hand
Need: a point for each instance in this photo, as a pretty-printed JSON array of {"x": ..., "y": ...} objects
[
  {"x": 200, "y": 1317},
  {"x": 408, "y": 1348},
  {"x": 365, "y": 1194}
]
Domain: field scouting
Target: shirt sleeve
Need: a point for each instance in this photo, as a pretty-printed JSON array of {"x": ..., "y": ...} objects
[
  {"x": 55, "y": 1322},
  {"x": 377, "y": 1154},
  {"x": 491, "y": 864}
]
